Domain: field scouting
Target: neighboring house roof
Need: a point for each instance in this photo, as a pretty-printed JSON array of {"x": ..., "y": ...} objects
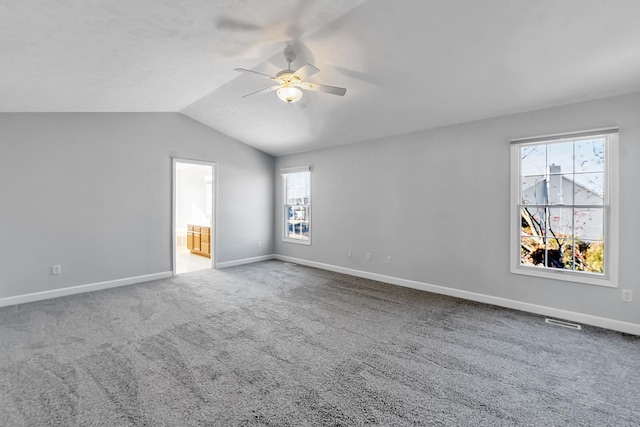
[{"x": 540, "y": 190}]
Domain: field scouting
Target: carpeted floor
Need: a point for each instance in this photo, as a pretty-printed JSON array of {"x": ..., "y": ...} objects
[{"x": 279, "y": 344}]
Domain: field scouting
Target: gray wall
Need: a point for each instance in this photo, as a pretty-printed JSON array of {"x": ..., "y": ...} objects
[
  {"x": 421, "y": 198},
  {"x": 92, "y": 192}
]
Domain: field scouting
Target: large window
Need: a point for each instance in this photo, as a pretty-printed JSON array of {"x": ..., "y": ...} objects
[
  {"x": 297, "y": 204},
  {"x": 564, "y": 208}
]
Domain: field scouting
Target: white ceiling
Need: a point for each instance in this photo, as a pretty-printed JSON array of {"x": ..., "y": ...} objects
[{"x": 408, "y": 65}]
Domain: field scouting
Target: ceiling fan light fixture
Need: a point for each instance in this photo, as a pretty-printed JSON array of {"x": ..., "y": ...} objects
[
  {"x": 289, "y": 94},
  {"x": 290, "y": 83}
]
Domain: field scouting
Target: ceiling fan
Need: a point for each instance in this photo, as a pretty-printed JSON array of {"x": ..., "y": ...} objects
[{"x": 290, "y": 82}]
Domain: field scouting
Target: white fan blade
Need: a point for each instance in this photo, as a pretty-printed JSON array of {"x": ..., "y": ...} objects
[
  {"x": 316, "y": 87},
  {"x": 238, "y": 26},
  {"x": 305, "y": 71},
  {"x": 269, "y": 89},
  {"x": 244, "y": 70}
]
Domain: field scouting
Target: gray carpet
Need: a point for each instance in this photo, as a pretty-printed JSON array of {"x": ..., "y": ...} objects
[{"x": 278, "y": 344}]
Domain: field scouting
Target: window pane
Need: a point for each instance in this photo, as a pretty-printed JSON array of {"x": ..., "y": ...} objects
[
  {"x": 533, "y": 190},
  {"x": 560, "y": 157},
  {"x": 559, "y": 190},
  {"x": 533, "y": 160},
  {"x": 560, "y": 223},
  {"x": 297, "y": 188},
  {"x": 532, "y": 251},
  {"x": 556, "y": 254},
  {"x": 532, "y": 221},
  {"x": 590, "y": 256},
  {"x": 589, "y": 188},
  {"x": 567, "y": 254},
  {"x": 297, "y": 224},
  {"x": 589, "y": 224},
  {"x": 590, "y": 155},
  {"x": 566, "y": 191}
]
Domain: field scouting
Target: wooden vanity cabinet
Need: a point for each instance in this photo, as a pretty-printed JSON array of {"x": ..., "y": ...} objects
[{"x": 199, "y": 240}]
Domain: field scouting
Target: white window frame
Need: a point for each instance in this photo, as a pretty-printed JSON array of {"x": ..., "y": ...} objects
[
  {"x": 285, "y": 223},
  {"x": 611, "y": 212}
]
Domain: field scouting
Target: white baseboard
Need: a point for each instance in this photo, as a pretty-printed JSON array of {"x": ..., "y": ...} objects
[
  {"x": 55, "y": 293},
  {"x": 602, "y": 322},
  {"x": 616, "y": 325},
  {"x": 245, "y": 261}
]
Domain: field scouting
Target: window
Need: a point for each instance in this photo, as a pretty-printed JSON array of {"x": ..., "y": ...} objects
[
  {"x": 564, "y": 215},
  {"x": 297, "y": 205}
]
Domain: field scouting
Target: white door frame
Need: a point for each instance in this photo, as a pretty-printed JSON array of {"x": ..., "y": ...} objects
[{"x": 214, "y": 209}]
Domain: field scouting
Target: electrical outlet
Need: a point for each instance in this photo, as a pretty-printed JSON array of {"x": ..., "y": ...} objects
[
  {"x": 368, "y": 256},
  {"x": 627, "y": 295},
  {"x": 348, "y": 253},
  {"x": 259, "y": 244},
  {"x": 388, "y": 260},
  {"x": 56, "y": 270}
]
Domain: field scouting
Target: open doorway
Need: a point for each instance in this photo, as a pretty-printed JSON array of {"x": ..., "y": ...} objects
[{"x": 193, "y": 215}]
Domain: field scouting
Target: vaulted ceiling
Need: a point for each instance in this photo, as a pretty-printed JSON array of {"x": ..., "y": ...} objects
[{"x": 407, "y": 65}]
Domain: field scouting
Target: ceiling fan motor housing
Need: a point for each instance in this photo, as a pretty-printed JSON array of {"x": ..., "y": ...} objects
[{"x": 286, "y": 77}]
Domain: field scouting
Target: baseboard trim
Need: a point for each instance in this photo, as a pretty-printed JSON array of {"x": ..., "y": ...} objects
[
  {"x": 601, "y": 322},
  {"x": 56, "y": 293},
  {"x": 243, "y": 261}
]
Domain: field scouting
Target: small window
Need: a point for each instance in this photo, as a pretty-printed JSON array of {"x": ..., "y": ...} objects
[
  {"x": 564, "y": 192},
  {"x": 297, "y": 205}
]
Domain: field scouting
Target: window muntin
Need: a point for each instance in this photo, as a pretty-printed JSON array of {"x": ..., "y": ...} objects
[
  {"x": 297, "y": 206},
  {"x": 563, "y": 208}
]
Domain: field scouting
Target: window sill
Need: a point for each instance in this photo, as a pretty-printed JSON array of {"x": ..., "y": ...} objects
[
  {"x": 567, "y": 276},
  {"x": 297, "y": 241}
]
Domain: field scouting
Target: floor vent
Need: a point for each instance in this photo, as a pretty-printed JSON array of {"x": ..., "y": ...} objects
[{"x": 563, "y": 324}]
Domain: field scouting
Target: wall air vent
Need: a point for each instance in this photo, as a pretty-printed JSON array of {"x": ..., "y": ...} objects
[{"x": 563, "y": 324}]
